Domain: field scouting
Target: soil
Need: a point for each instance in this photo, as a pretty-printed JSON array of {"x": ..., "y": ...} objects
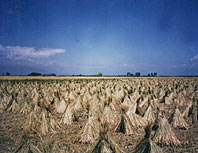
[{"x": 67, "y": 138}]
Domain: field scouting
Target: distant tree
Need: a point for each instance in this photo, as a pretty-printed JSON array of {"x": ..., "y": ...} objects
[
  {"x": 52, "y": 74},
  {"x": 137, "y": 74},
  {"x": 99, "y": 74},
  {"x": 7, "y": 73},
  {"x": 152, "y": 74},
  {"x": 34, "y": 74},
  {"x": 128, "y": 73}
]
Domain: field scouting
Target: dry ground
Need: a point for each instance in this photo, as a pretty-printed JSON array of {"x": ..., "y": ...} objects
[{"x": 12, "y": 135}]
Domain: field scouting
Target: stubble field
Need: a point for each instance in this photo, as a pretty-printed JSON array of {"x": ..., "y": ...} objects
[{"x": 102, "y": 114}]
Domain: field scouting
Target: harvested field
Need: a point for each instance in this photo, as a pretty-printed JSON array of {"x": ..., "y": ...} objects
[{"x": 102, "y": 114}]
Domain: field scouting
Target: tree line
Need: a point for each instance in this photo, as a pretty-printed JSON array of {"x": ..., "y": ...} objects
[
  {"x": 138, "y": 74},
  {"x": 129, "y": 74}
]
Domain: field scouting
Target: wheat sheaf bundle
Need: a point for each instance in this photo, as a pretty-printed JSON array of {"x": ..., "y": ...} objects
[
  {"x": 146, "y": 145},
  {"x": 125, "y": 125},
  {"x": 46, "y": 123},
  {"x": 13, "y": 106},
  {"x": 192, "y": 111},
  {"x": 164, "y": 134},
  {"x": 40, "y": 121},
  {"x": 104, "y": 143},
  {"x": 109, "y": 117},
  {"x": 25, "y": 108},
  {"x": 69, "y": 115},
  {"x": 136, "y": 120},
  {"x": 149, "y": 115},
  {"x": 177, "y": 120},
  {"x": 60, "y": 106},
  {"x": 91, "y": 130}
]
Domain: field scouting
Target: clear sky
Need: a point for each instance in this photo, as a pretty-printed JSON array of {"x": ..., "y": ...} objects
[{"x": 90, "y": 36}]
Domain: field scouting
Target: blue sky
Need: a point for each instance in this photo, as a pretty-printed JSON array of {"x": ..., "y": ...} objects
[{"x": 91, "y": 36}]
